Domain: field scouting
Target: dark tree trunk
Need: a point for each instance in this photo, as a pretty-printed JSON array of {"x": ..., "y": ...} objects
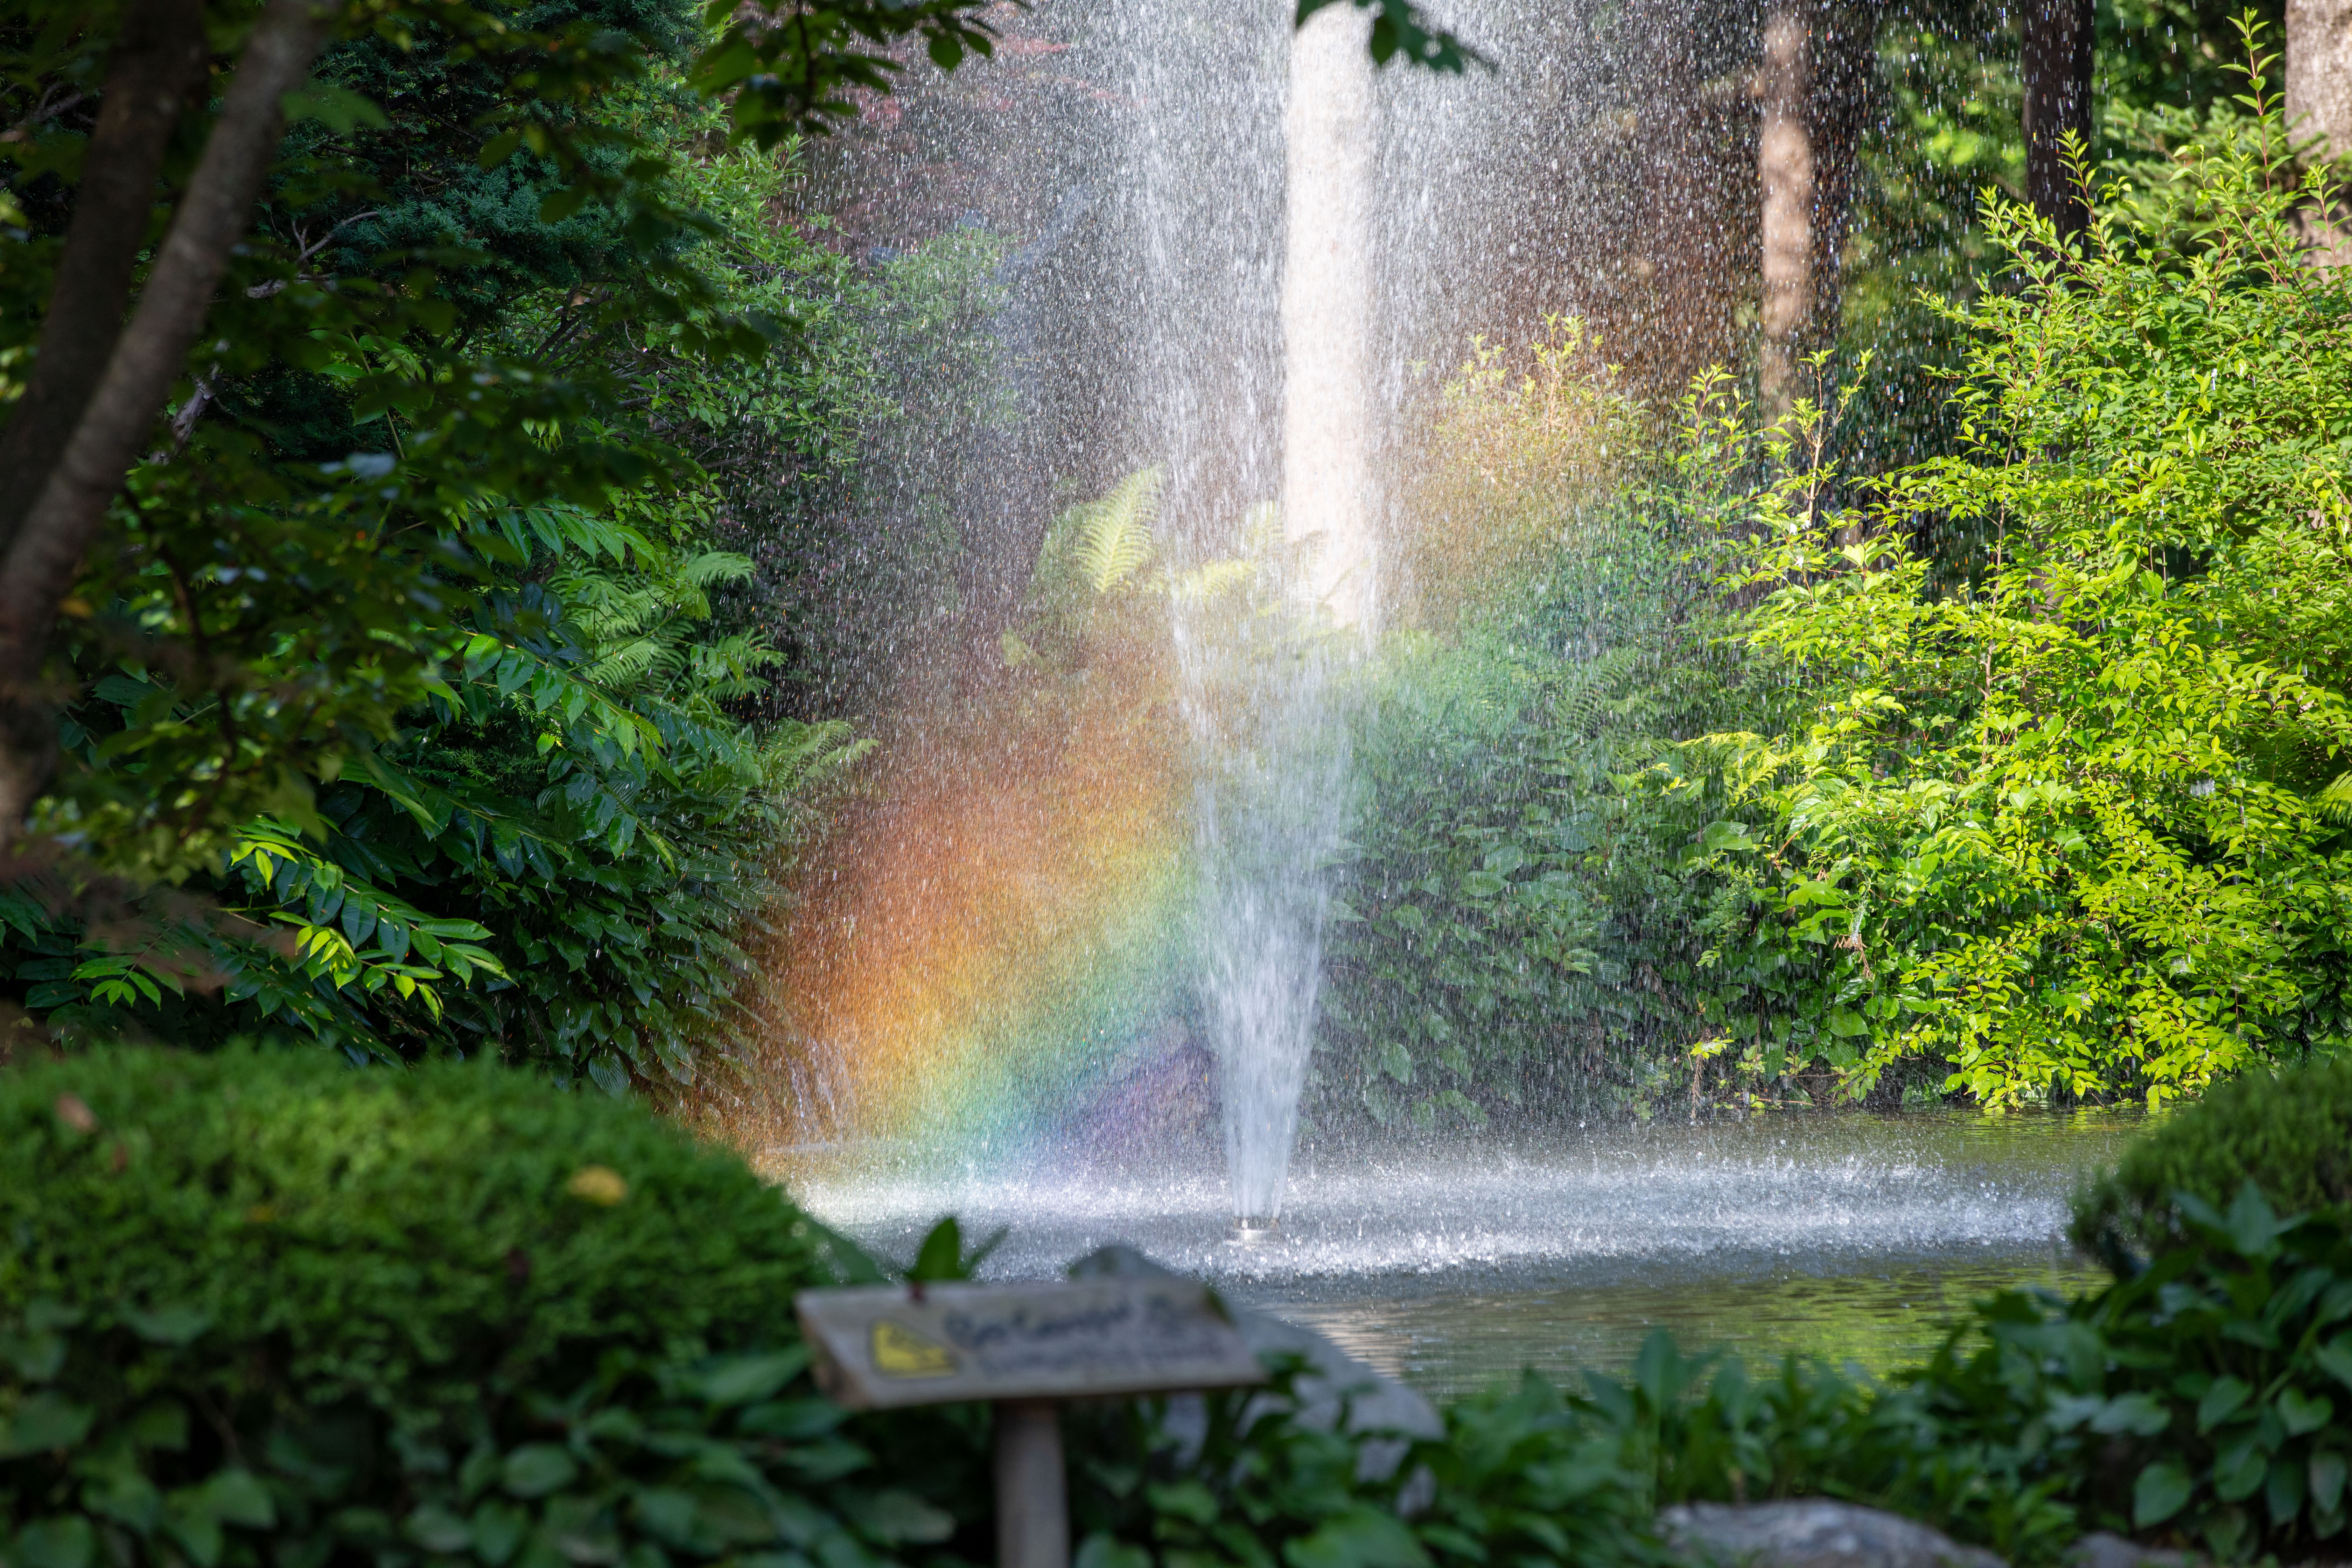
[
  {"x": 1844, "y": 55},
  {"x": 157, "y": 60},
  {"x": 1784, "y": 167},
  {"x": 74, "y": 485},
  {"x": 2057, "y": 70}
]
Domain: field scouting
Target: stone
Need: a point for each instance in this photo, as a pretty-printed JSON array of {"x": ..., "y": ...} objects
[{"x": 1812, "y": 1532}]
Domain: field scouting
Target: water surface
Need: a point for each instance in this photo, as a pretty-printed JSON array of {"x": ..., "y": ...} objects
[{"x": 1452, "y": 1264}]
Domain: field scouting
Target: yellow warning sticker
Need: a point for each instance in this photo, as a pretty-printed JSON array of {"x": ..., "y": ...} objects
[{"x": 900, "y": 1352}]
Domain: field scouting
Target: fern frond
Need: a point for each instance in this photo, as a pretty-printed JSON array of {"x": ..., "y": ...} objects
[
  {"x": 1115, "y": 534},
  {"x": 2334, "y": 802}
]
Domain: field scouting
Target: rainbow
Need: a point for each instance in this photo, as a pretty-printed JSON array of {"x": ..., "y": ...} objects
[{"x": 992, "y": 953}]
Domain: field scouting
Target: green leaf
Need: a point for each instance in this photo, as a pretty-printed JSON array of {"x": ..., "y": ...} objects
[
  {"x": 436, "y": 1529},
  {"x": 1101, "y": 1551},
  {"x": 168, "y": 1325},
  {"x": 127, "y": 1496},
  {"x": 37, "y": 1356},
  {"x": 668, "y": 1514},
  {"x": 2327, "y": 1478},
  {"x": 894, "y": 1516},
  {"x": 162, "y": 1425},
  {"x": 2239, "y": 1468},
  {"x": 44, "y": 1423},
  {"x": 740, "y": 1380},
  {"x": 536, "y": 1470},
  {"x": 1846, "y": 1024},
  {"x": 498, "y": 1529},
  {"x": 561, "y": 202},
  {"x": 66, "y": 1542},
  {"x": 236, "y": 1496},
  {"x": 2283, "y": 1489},
  {"x": 2253, "y": 1225},
  {"x": 2336, "y": 1359},
  {"x": 498, "y": 149},
  {"x": 1726, "y": 836},
  {"x": 1360, "y": 1537},
  {"x": 1188, "y": 1500},
  {"x": 2162, "y": 1490},
  {"x": 2300, "y": 1413},
  {"x": 336, "y": 107},
  {"x": 1396, "y": 1061},
  {"x": 2141, "y": 1415},
  {"x": 792, "y": 1420},
  {"x": 941, "y": 1255},
  {"x": 2224, "y": 1399}
]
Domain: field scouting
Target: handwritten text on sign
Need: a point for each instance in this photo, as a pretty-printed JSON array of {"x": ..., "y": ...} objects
[{"x": 877, "y": 1346}]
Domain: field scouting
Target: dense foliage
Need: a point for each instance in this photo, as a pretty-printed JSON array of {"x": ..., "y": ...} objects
[
  {"x": 2289, "y": 1133},
  {"x": 2054, "y": 817},
  {"x": 1516, "y": 925},
  {"x": 528, "y": 378},
  {"x": 2072, "y": 811},
  {"x": 266, "y": 1307}
]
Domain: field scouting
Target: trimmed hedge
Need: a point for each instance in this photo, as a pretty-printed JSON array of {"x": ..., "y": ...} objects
[
  {"x": 266, "y": 1307},
  {"x": 2289, "y": 1132}
]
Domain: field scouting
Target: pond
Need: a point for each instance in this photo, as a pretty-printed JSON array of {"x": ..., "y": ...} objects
[{"x": 1453, "y": 1265}]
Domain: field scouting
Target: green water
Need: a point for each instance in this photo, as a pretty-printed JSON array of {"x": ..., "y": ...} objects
[{"x": 1448, "y": 1345}]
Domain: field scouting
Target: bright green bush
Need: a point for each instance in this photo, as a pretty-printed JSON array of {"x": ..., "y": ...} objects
[
  {"x": 2074, "y": 822},
  {"x": 270, "y": 1307},
  {"x": 2290, "y": 1133}
]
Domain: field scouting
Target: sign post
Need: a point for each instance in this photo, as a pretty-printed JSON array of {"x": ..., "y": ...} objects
[{"x": 1025, "y": 1348}]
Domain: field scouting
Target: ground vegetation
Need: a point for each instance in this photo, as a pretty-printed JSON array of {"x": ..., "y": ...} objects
[{"x": 263, "y": 1305}]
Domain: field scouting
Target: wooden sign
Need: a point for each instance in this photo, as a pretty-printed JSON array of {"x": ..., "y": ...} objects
[{"x": 883, "y": 1346}]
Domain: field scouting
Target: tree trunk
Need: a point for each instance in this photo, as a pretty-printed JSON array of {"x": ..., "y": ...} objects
[
  {"x": 1784, "y": 161},
  {"x": 2319, "y": 104},
  {"x": 2057, "y": 58},
  {"x": 84, "y": 478},
  {"x": 1845, "y": 52},
  {"x": 157, "y": 60},
  {"x": 2319, "y": 73}
]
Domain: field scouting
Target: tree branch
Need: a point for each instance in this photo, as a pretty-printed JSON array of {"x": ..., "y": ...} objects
[
  {"x": 58, "y": 532},
  {"x": 157, "y": 60}
]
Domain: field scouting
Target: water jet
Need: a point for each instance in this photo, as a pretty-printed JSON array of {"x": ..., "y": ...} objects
[{"x": 1245, "y": 1231}]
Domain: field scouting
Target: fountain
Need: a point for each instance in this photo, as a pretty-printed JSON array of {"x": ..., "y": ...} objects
[
  {"x": 1273, "y": 776},
  {"x": 1068, "y": 981}
]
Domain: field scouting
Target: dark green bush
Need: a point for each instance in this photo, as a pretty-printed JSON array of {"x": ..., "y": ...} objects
[
  {"x": 2198, "y": 1397},
  {"x": 268, "y": 1306},
  {"x": 1522, "y": 1477},
  {"x": 2289, "y": 1132}
]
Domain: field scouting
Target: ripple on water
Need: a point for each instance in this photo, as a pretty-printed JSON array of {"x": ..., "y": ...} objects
[{"x": 1846, "y": 1236}]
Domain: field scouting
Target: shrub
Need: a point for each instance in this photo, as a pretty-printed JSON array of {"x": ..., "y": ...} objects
[
  {"x": 1514, "y": 922},
  {"x": 2072, "y": 823},
  {"x": 2290, "y": 1133},
  {"x": 1250, "y": 1479},
  {"x": 266, "y": 1305},
  {"x": 2197, "y": 1396}
]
